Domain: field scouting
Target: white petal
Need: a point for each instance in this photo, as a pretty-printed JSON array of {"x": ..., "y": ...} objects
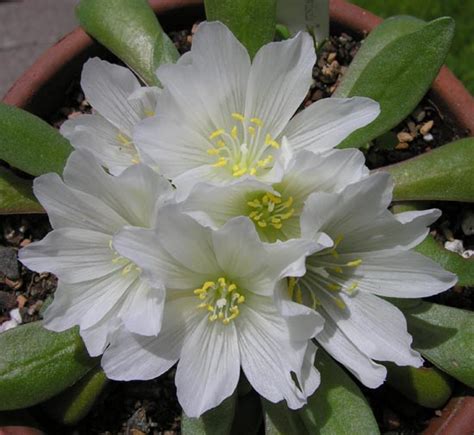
[
  {"x": 135, "y": 357},
  {"x": 144, "y": 248},
  {"x": 328, "y": 172},
  {"x": 207, "y": 91},
  {"x": 280, "y": 77},
  {"x": 74, "y": 255},
  {"x": 374, "y": 326},
  {"x": 68, "y": 207},
  {"x": 398, "y": 274},
  {"x": 326, "y": 123},
  {"x": 343, "y": 350},
  {"x": 107, "y": 88},
  {"x": 209, "y": 368},
  {"x": 354, "y": 208},
  {"x": 310, "y": 377},
  {"x": 133, "y": 194},
  {"x": 97, "y": 337},
  {"x": 143, "y": 309},
  {"x": 98, "y": 136},
  {"x": 268, "y": 354}
]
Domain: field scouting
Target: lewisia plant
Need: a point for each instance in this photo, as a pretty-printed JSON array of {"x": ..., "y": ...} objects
[{"x": 217, "y": 230}]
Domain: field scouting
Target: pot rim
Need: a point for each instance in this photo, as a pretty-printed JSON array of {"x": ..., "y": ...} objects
[{"x": 447, "y": 91}]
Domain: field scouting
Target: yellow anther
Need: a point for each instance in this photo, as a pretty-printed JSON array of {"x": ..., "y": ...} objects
[
  {"x": 340, "y": 303},
  {"x": 239, "y": 172},
  {"x": 273, "y": 198},
  {"x": 270, "y": 141},
  {"x": 234, "y": 132},
  {"x": 354, "y": 263},
  {"x": 262, "y": 224},
  {"x": 275, "y": 220},
  {"x": 257, "y": 121},
  {"x": 213, "y": 151},
  {"x": 238, "y": 116},
  {"x": 220, "y": 143},
  {"x": 252, "y": 130},
  {"x": 352, "y": 287},
  {"x": 124, "y": 140},
  {"x": 127, "y": 269},
  {"x": 208, "y": 284},
  {"x": 216, "y": 133},
  {"x": 241, "y": 299},
  {"x": 253, "y": 171},
  {"x": 220, "y": 163},
  {"x": 221, "y": 282},
  {"x": 135, "y": 160},
  {"x": 254, "y": 203},
  {"x": 149, "y": 113},
  {"x": 337, "y": 269},
  {"x": 277, "y": 226},
  {"x": 288, "y": 202},
  {"x": 334, "y": 287},
  {"x": 232, "y": 287},
  {"x": 338, "y": 240},
  {"x": 199, "y": 291},
  {"x": 202, "y": 305},
  {"x": 288, "y": 214}
]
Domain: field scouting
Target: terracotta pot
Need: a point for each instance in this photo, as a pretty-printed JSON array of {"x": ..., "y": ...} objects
[{"x": 41, "y": 87}]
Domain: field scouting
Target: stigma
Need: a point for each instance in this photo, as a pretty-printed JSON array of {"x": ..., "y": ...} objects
[{"x": 221, "y": 299}]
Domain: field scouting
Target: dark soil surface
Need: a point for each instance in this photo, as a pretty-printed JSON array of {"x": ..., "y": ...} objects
[{"x": 151, "y": 407}]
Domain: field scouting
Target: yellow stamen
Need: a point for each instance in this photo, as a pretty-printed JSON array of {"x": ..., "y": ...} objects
[
  {"x": 257, "y": 121},
  {"x": 220, "y": 163},
  {"x": 252, "y": 130},
  {"x": 213, "y": 151},
  {"x": 238, "y": 116},
  {"x": 354, "y": 263},
  {"x": 234, "y": 132},
  {"x": 216, "y": 133}
]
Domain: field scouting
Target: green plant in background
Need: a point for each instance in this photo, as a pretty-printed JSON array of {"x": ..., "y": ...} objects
[
  {"x": 395, "y": 67},
  {"x": 461, "y": 56}
]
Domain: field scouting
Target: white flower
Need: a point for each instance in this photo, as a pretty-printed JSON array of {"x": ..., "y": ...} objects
[
  {"x": 98, "y": 289},
  {"x": 227, "y": 307},
  {"x": 119, "y": 103},
  {"x": 221, "y": 117},
  {"x": 276, "y": 209},
  {"x": 371, "y": 257}
]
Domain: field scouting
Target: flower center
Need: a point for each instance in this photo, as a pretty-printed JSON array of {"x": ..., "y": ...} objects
[
  {"x": 127, "y": 265},
  {"x": 221, "y": 300},
  {"x": 246, "y": 149},
  {"x": 270, "y": 210}
]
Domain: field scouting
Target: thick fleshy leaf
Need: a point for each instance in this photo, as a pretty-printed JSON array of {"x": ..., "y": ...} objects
[
  {"x": 215, "y": 421},
  {"x": 30, "y": 144},
  {"x": 443, "y": 335},
  {"x": 130, "y": 30},
  {"x": 280, "y": 420},
  {"x": 338, "y": 406},
  {"x": 252, "y": 22},
  {"x": 36, "y": 364},
  {"x": 248, "y": 413},
  {"x": 462, "y": 267},
  {"x": 16, "y": 194},
  {"x": 390, "y": 30},
  {"x": 74, "y": 404},
  {"x": 428, "y": 387},
  {"x": 444, "y": 174},
  {"x": 398, "y": 75}
]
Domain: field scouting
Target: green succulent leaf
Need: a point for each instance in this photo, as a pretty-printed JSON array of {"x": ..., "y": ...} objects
[
  {"x": 252, "y": 22},
  {"x": 444, "y": 174},
  {"x": 215, "y": 421},
  {"x": 30, "y": 144},
  {"x": 462, "y": 267},
  {"x": 337, "y": 407},
  {"x": 443, "y": 335},
  {"x": 36, "y": 364},
  {"x": 73, "y": 404},
  {"x": 16, "y": 195},
  {"x": 428, "y": 387},
  {"x": 396, "y": 72},
  {"x": 248, "y": 415},
  {"x": 130, "y": 30}
]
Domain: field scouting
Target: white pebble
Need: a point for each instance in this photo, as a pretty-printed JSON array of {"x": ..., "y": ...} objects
[
  {"x": 455, "y": 246},
  {"x": 468, "y": 253},
  {"x": 467, "y": 224},
  {"x": 9, "y": 324},
  {"x": 15, "y": 315},
  {"x": 428, "y": 137}
]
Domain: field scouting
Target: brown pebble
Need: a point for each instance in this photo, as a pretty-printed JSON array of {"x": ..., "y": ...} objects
[
  {"x": 412, "y": 128},
  {"x": 402, "y": 146},
  {"x": 331, "y": 57},
  {"x": 194, "y": 28},
  {"x": 420, "y": 116},
  {"x": 15, "y": 285},
  {"x": 21, "y": 301},
  {"x": 189, "y": 39},
  {"x": 391, "y": 419},
  {"x": 426, "y": 127},
  {"x": 25, "y": 242},
  {"x": 403, "y": 136}
]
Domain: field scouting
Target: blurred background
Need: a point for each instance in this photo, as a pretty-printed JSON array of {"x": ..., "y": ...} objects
[{"x": 28, "y": 27}]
